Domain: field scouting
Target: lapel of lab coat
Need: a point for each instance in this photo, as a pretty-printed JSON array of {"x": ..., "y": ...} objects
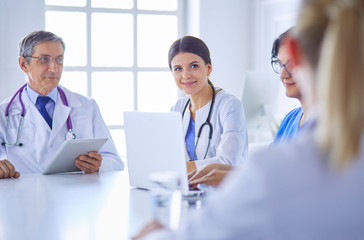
[
  {"x": 185, "y": 123},
  {"x": 200, "y": 118},
  {"x": 61, "y": 113},
  {"x": 32, "y": 114}
]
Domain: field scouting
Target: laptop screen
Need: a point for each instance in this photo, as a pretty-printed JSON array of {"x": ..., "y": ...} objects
[{"x": 154, "y": 143}]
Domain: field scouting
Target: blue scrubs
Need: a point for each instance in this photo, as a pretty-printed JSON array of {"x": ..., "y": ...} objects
[
  {"x": 190, "y": 138},
  {"x": 289, "y": 125}
]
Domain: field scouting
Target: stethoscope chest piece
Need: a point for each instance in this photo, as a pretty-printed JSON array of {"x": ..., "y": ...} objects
[{"x": 70, "y": 135}]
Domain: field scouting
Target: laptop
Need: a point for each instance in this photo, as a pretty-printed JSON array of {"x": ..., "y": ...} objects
[{"x": 154, "y": 143}]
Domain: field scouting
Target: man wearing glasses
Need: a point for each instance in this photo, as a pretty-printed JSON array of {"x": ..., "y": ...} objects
[
  {"x": 42, "y": 115},
  {"x": 282, "y": 65}
]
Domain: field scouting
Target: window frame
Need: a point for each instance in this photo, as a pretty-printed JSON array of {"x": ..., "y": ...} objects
[{"x": 135, "y": 69}]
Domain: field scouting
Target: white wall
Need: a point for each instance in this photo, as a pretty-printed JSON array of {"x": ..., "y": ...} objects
[
  {"x": 273, "y": 17},
  {"x": 18, "y": 18},
  {"x": 225, "y": 26},
  {"x": 240, "y": 34}
]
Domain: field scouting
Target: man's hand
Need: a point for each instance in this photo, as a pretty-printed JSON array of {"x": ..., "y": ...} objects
[
  {"x": 89, "y": 163},
  {"x": 7, "y": 170}
]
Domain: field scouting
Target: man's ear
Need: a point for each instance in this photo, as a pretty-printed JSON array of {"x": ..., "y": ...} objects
[
  {"x": 23, "y": 64},
  {"x": 294, "y": 51}
]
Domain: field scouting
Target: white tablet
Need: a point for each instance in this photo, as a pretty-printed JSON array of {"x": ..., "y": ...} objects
[{"x": 64, "y": 160}]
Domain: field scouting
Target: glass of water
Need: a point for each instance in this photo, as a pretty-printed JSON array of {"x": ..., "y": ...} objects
[{"x": 166, "y": 198}]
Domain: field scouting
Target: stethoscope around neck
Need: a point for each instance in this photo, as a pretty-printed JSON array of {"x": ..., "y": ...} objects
[
  {"x": 206, "y": 123},
  {"x": 69, "y": 135}
]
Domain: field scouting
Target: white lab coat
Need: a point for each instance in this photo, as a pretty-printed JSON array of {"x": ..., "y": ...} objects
[
  {"x": 285, "y": 192},
  {"x": 229, "y": 143},
  {"x": 40, "y": 143}
]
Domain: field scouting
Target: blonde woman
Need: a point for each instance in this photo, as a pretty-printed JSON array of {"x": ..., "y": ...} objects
[{"x": 311, "y": 187}]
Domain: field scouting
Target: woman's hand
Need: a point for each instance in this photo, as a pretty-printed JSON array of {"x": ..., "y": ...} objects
[
  {"x": 213, "y": 178},
  {"x": 191, "y": 166},
  {"x": 211, "y": 174}
]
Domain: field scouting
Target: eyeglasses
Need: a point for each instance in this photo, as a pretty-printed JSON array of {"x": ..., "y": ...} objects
[
  {"x": 48, "y": 60},
  {"x": 277, "y": 66}
]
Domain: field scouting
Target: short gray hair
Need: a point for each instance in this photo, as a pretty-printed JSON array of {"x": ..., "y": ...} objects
[{"x": 27, "y": 44}]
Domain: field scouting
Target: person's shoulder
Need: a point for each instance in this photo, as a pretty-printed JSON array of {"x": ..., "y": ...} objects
[
  {"x": 224, "y": 95},
  {"x": 69, "y": 92},
  {"x": 291, "y": 115},
  {"x": 5, "y": 101},
  {"x": 73, "y": 95},
  {"x": 228, "y": 103},
  {"x": 79, "y": 101},
  {"x": 295, "y": 112},
  {"x": 180, "y": 104},
  {"x": 227, "y": 98}
]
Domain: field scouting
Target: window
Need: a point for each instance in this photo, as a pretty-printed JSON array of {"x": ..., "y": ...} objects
[{"x": 116, "y": 53}]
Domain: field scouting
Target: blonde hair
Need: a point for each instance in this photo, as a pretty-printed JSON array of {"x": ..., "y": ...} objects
[{"x": 334, "y": 29}]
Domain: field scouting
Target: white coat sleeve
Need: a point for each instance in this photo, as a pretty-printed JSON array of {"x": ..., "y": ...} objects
[
  {"x": 2, "y": 152},
  {"x": 111, "y": 160},
  {"x": 233, "y": 146}
]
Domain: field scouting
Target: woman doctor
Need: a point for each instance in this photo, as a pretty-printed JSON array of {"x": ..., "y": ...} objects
[{"x": 213, "y": 120}]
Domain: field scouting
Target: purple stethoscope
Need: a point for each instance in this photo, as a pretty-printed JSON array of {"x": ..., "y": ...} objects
[{"x": 69, "y": 135}]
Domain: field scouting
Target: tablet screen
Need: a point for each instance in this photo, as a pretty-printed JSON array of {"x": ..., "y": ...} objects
[{"x": 64, "y": 159}]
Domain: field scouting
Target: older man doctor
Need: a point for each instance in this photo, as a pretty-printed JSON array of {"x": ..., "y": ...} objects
[{"x": 37, "y": 119}]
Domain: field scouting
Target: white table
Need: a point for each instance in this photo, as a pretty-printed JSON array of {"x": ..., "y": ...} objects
[{"x": 71, "y": 206}]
